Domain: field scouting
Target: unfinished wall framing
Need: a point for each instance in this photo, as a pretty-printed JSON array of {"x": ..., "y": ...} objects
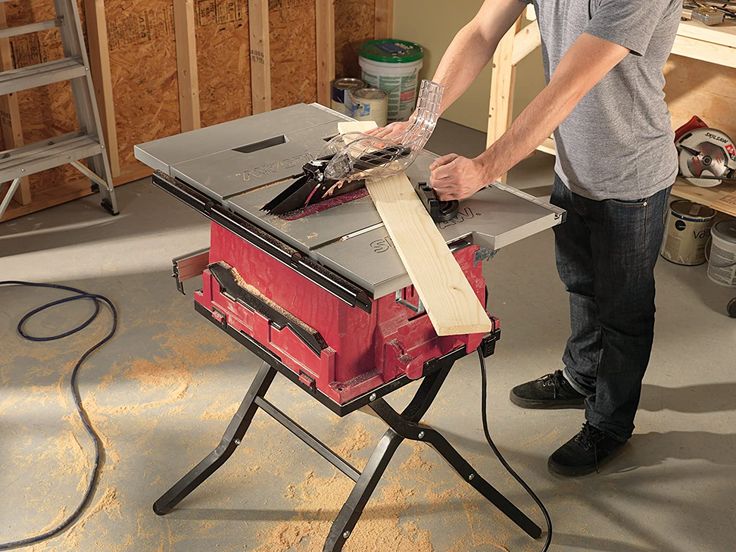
[{"x": 161, "y": 67}]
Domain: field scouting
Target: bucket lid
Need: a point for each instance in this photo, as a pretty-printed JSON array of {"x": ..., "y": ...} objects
[
  {"x": 725, "y": 230},
  {"x": 369, "y": 94},
  {"x": 389, "y": 50},
  {"x": 692, "y": 210}
]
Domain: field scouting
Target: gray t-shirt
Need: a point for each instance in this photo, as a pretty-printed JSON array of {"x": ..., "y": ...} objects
[{"x": 618, "y": 143}]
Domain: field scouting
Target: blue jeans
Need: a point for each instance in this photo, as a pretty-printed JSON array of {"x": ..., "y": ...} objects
[{"x": 606, "y": 252}]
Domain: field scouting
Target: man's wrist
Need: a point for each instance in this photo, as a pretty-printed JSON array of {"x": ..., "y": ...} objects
[{"x": 487, "y": 166}]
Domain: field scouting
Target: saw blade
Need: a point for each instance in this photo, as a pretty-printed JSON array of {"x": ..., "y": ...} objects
[{"x": 707, "y": 157}]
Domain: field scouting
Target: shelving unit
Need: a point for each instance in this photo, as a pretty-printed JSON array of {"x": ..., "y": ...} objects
[{"x": 715, "y": 45}]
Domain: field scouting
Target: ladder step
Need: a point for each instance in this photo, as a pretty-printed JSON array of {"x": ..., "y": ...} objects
[
  {"x": 47, "y": 154},
  {"x": 41, "y": 74},
  {"x": 30, "y": 28}
]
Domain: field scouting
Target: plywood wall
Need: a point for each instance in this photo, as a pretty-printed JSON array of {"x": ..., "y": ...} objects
[
  {"x": 223, "y": 63},
  {"x": 292, "y": 25},
  {"x": 354, "y": 24},
  {"x": 143, "y": 73}
]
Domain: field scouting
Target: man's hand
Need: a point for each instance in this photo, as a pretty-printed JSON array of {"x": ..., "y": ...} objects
[
  {"x": 457, "y": 177},
  {"x": 392, "y": 132}
]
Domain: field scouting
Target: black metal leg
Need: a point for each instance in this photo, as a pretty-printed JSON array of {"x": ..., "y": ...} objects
[
  {"x": 416, "y": 432},
  {"x": 353, "y": 508},
  {"x": 230, "y": 441}
]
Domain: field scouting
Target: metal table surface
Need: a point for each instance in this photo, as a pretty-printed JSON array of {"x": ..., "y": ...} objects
[{"x": 242, "y": 164}]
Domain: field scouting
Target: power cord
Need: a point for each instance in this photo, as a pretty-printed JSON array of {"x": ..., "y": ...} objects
[
  {"x": 99, "y": 449},
  {"x": 504, "y": 463}
]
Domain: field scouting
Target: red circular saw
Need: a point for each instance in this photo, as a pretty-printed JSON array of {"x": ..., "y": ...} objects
[{"x": 707, "y": 155}]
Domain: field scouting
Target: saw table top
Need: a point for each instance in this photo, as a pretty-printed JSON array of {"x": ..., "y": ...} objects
[{"x": 243, "y": 164}]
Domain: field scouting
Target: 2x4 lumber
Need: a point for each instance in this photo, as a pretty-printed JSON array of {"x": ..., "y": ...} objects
[
  {"x": 526, "y": 41},
  {"x": 325, "y": 14},
  {"x": 450, "y": 302},
  {"x": 186, "y": 65},
  {"x": 260, "y": 55},
  {"x": 99, "y": 59},
  {"x": 10, "y": 113},
  {"x": 384, "y": 26},
  {"x": 503, "y": 81}
]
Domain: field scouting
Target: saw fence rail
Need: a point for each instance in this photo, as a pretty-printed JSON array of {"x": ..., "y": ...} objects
[
  {"x": 161, "y": 67},
  {"x": 701, "y": 80}
]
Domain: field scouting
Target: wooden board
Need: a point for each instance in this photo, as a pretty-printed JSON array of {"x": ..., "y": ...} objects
[
  {"x": 721, "y": 198},
  {"x": 325, "y": 50},
  {"x": 451, "y": 304},
  {"x": 186, "y": 59},
  {"x": 260, "y": 55}
]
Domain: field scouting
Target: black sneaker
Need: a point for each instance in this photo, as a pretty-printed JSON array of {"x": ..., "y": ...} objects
[
  {"x": 584, "y": 453},
  {"x": 550, "y": 391}
]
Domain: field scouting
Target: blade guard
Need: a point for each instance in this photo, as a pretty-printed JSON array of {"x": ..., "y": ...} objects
[{"x": 357, "y": 156}]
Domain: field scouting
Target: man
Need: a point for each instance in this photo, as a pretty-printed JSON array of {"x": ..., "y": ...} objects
[{"x": 616, "y": 162}]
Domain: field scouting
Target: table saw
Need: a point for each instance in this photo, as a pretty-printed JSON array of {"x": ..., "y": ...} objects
[{"x": 320, "y": 295}]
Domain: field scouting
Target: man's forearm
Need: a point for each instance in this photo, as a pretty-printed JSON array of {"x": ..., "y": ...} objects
[
  {"x": 473, "y": 47},
  {"x": 463, "y": 61}
]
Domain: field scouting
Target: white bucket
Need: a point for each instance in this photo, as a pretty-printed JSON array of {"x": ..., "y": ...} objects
[
  {"x": 688, "y": 233},
  {"x": 399, "y": 77},
  {"x": 722, "y": 262}
]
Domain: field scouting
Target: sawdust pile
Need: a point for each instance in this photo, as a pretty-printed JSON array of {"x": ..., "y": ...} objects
[
  {"x": 387, "y": 524},
  {"x": 318, "y": 500},
  {"x": 107, "y": 504}
]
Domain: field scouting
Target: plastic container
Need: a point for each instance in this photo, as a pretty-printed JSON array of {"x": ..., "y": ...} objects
[
  {"x": 393, "y": 66},
  {"x": 722, "y": 262},
  {"x": 688, "y": 233}
]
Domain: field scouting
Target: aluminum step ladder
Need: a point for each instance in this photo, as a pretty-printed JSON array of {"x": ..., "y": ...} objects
[{"x": 88, "y": 142}]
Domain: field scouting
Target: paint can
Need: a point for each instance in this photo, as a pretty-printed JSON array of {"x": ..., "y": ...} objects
[
  {"x": 722, "y": 262},
  {"x": 688, "y": 233},
  {"x": 369, "y": 104},
  {"x": 341, "y": 89}
]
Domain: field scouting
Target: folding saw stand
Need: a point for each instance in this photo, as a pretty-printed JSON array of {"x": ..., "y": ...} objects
[{"x": 404, "y": 425}]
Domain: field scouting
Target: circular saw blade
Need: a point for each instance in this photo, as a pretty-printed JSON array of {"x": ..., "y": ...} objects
[{"x": 705, "y": 157}]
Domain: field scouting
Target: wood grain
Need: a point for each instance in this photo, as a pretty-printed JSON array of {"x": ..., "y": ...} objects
[
  {"x": 451, "y": 304},
  {"x": 260, "y": 55},
  {"x": 186, "y": 62},
  {"x": 325, "y": 50},
  {"x": 99, "y": 60}
]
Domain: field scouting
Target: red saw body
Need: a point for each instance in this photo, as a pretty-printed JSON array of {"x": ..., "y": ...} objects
[{"x": 335, "y": 349}]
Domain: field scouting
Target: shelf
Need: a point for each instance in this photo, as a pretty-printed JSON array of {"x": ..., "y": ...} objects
[{"x": 721, "y": 198}]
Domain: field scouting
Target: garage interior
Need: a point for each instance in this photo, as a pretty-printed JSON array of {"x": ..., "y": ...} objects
[{"x": 161, "y": 392}]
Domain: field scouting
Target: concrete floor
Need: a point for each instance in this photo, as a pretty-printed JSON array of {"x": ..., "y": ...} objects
[{"x": 163, "y": 390}]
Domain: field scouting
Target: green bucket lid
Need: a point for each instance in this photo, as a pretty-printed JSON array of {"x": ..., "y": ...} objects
[{"x": 389, "y": 50}]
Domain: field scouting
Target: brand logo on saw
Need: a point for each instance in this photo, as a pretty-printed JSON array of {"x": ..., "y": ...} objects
[
  {"x": 731, "y": 151},
  {"x": 720, "y": 139},
  {"x": 270, "y": 168}
]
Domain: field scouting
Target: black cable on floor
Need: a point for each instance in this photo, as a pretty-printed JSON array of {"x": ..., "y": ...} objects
[
  {"x": 504, "y": 463},
  {"x": 99, "y": 450}
]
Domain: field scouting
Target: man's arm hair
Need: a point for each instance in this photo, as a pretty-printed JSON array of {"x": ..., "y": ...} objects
[
  {"x": 474, "y": 45},
  {"x": 584, "y": 65}
]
